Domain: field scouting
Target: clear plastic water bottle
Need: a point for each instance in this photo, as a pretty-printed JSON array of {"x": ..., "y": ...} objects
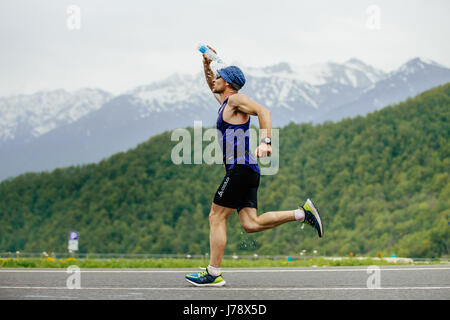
[{"x": 209, "y": 53}]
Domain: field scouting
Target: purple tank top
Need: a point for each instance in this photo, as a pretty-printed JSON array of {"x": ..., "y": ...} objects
[{"x": 234, "y": 141}]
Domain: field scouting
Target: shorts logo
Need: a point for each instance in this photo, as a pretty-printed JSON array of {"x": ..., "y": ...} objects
[{"x": 220, "y": 193}]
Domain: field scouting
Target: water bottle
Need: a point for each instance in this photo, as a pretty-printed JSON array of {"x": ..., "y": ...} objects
[{"x": 209, "y": 53}]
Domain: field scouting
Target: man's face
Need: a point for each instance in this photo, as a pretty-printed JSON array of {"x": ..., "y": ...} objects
[{"x": 219, "y": 85}]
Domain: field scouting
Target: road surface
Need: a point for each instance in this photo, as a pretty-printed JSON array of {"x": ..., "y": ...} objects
[{"x": 388, "y": 282}]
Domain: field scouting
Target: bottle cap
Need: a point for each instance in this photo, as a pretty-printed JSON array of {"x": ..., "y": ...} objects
[{"x": 202, "y": 48}]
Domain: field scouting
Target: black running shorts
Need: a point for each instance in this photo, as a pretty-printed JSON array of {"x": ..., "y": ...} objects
[{"x": 238, "y": 189}]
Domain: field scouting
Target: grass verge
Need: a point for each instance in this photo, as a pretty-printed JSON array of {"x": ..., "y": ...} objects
[{"x": 190, "y": 263}]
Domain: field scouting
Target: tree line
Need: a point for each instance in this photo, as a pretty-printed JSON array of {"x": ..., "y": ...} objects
[{"x": 381, "y": 183}]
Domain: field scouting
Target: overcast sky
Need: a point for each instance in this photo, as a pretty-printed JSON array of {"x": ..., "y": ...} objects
[{"x": 123, "y": 44}]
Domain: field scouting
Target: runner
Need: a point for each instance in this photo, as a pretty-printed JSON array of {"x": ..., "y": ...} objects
[{"x": 238, "y": 190}]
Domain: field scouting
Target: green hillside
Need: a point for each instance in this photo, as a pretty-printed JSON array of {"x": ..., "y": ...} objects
[{"x": 381, "y": 183}]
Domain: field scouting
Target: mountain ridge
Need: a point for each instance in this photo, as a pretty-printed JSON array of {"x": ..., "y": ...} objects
[
  {"x": 123, "y": 121},
  {"x": 384, "y": 176}
]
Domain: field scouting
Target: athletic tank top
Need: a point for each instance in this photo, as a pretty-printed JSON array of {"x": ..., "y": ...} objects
[{"x": 234, "y": 142}]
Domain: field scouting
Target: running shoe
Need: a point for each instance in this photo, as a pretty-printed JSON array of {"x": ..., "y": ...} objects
[
  {"x": 204, "y": 279},
  {"x": 312, "y": 216}
]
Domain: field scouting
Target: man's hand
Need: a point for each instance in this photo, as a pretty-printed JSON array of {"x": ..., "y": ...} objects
[
  {"x": 263, "y": 150},
  {"x": 206, "y": 60}
]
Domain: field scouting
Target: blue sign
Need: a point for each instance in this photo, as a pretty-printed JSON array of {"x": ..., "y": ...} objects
[
  {"x": 73, "y": 235},
  {"x": 73, "y": 241}
]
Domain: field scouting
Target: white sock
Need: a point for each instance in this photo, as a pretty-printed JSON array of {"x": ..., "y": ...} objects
[
  {"x": 299, "y": 214},
  {"x": 213, "y": 271}
]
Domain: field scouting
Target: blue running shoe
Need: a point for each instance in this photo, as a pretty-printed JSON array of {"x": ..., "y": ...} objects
[{"x": 204, "y": 279}]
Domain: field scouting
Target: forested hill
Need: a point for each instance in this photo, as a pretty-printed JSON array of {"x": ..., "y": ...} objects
[{"x": 381, "y": 183}]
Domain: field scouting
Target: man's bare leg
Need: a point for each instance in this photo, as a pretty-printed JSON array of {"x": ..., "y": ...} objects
[
  {"x": 218, "y": 233},
  {"x": 251, "y": 222}
]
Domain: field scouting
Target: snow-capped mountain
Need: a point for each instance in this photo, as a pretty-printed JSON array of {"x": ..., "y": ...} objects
[
  {"x": 302, "y": 93},
  {"x": 56, "y": 129},
  {"x": 30, "y": 116},
  {"x": 352, "y": 72},
  {"x": 411, "y": 78}
]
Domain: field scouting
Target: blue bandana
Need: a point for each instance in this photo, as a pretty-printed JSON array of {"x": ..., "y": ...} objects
[{"x": 233, "y": 75}]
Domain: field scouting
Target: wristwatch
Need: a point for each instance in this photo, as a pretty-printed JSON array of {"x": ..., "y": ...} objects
[{"x": 266, "y": 140}]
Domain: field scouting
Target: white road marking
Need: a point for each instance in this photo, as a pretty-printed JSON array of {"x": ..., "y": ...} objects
[
  {"x": 231, "y": 289},
  {"x": 223, "y": 269}
]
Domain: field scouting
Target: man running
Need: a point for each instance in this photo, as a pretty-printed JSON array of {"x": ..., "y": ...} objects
[{"x": 238, "y": 190}]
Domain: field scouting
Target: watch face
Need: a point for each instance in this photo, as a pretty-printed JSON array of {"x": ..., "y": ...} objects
[{"x": 266, "y": 140}]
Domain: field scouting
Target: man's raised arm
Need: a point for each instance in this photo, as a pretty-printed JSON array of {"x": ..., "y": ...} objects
[{"x": 209, "y": 74}]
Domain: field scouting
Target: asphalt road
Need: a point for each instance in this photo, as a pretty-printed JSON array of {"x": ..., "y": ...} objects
[{"x": 395, "y": 282}]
